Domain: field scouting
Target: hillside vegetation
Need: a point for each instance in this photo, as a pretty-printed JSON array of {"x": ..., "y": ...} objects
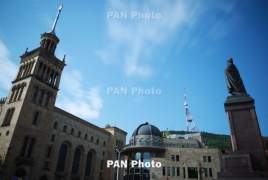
[{"x": 219, "y": 141}]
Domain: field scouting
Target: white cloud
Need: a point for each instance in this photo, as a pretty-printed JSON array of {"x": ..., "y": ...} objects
[
  {"x": 137, "y": 38},
  {"x": 85, "y": 104},
  {"x": 7, "y": 68},
  {"x": 134, "y": 40}
]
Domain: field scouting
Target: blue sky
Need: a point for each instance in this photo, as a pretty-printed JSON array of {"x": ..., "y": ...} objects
[{"x": 186, "y": 45}]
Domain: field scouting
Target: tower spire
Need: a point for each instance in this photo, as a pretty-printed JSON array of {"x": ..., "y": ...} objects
[
  {"x": 56, "y": 20},
  {"x": 190, "y": 125}
]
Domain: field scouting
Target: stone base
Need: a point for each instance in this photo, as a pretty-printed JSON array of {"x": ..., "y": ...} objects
[{"x": 248, "y": 161}]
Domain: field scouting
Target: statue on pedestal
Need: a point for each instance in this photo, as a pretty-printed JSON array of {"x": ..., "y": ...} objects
[{"x": 234, "y": 82}]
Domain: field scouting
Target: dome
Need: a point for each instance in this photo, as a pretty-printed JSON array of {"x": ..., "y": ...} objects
[{"x": 147, "y": 129}]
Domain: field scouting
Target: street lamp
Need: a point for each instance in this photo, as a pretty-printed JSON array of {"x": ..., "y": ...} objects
[{"x": 118, "y": 158}]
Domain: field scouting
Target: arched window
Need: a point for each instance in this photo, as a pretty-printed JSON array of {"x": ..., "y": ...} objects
[
  {"x": 49, "y": 152},
  {"x": 41, "y": 96},
  {"x": 36, "y": 89},
  {"x": 64, "y": 128},
  {"x": 91, "y": 139},
  {"x": 51, "y": 77},
  {"x": 8, "y": 116},
  {"x": 88, "y": 164},
  {"x": 97, "y": 142},
  {"x": 47, "y": 74},
  {"x": 12, "y": 95},
  {"x": 40, "y": 67},
  {"x": 24, "y": 146},
  {"x": 85, "y": 137},
  {"x": 104, "y": 143},
  {"x": 55, "y": 126},
  {"x": 142, "y": 141},
  {"x": 43, "y": 71},
  {"x": 21, "y": 90},
  {"x": 36, "y": 116},
  {"x": 102, "y": 163},
  {"x": 62, "y": 158},
  {"x": 76, "y": 161},
  {"x": 30, "y": 150},
  {"x": 16, "y": 94},
  {"x": 72, "y": 131},
  {"x": 55, "y": 79},
  {"x": 47, "y": 99},
  {"x": 79, "y": 134}
]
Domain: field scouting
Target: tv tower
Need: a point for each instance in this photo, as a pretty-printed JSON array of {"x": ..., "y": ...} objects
[{"x": 190, "y": 125}]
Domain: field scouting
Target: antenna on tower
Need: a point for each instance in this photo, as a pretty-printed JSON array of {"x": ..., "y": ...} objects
[
  {"x": 190, "y": 125},
  {"x": 56, "y": 20}
]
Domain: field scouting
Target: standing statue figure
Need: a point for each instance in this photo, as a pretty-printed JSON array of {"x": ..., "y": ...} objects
[{"x": 234, "y": 82}]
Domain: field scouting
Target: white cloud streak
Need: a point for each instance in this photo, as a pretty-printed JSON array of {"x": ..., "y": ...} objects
[
  {"x": 137, "y": 37},
  {"x": 7, "y": 68},
  {"x": 133, "y": 40},
  {"x": 82, "y": 103}
]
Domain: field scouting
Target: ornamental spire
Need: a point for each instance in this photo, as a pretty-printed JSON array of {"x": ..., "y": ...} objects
[{"x": 56, "y": 20}]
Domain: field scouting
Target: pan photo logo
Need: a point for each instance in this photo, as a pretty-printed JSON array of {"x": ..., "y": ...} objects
[{"x": 133, "y": 163}]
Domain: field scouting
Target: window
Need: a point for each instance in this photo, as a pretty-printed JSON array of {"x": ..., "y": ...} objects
[
  {"x": 100, "y": 175},
  {"x": 46, "y": 165},
  {"x": 41, "y": 96},
  {"x": 72, "y": 131},
  {"x": 36, "y": 89},
  {"x": 24, "y": 146},
  {"x": 102, "y": 162},
  {"x": 64, "y": 128},
  {"x": 85, "y": 137},
  {"x": 172, "y": 157},
  {"x": 164, "y": 171},
  {"x": 168, "y": 171},
  {"x": 49, "y": 152},
  {"x": 53, "y": 138},
  {"x": 97, "y": 142},
  {"x": 21, "y": 90},
  {"x": 210, "y": 172},
  {"x": 76, "y": 161},
  {"x": 103, "y": 153},
  {"x": 30, "y": 150},
  {"x": 79, "y": 134},
  {"x": 192, "y": 172},
  {"x": 62, "y": 158},
  {"x": 104, "y": 143},
  {"x": 178, "y": 171},
  {"x": 13, "y": 91},
  {"x": 8, "y": 116},
  {"x": 55, "y": 125},
  {"x": 206, "y": 172},
  {"x": 173, "y": 171},
  {"x": 204, "y": 159},
  {"x": 36, "y": 115},
  {"x": 209, "y": 158},
  {"x": 47, "y": 99},
  {"x": 177, "y": 158},
  {"x": 91, "y": 139},
  {"x": 88, "y": 164}
]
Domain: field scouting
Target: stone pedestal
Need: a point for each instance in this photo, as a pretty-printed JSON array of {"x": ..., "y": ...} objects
[{"x": 248, "y": 159}]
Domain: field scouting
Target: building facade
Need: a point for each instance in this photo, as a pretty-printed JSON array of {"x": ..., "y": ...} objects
[
  {"x": 181, "y": 157},
  {"x": 41, "y": 141}
]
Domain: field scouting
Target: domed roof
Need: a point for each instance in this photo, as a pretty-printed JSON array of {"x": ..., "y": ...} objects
[{"x": 147, "y": 129}]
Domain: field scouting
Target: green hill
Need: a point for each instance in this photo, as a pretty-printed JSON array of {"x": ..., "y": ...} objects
[{"x": 219, "y": 141}]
